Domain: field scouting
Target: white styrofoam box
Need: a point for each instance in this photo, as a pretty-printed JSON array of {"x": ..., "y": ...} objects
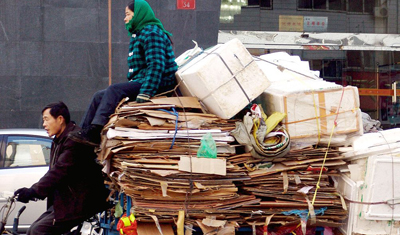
[
  {"x": 356, "y": 223},
  {"x": 377, "y": 186},
  {"x": 382, "y": 142},
  {"x": 312, "y": 106},
  {"x": 225, "y": 78},
  {"x": 347, "y": 189},
  {"x": 274, "y": 63},
  {"x": 381, "y": 138},
  {"x": 363, "y": 226},
  {"x": 188, "y": 55},
  {"x": 382, "y": 184}
]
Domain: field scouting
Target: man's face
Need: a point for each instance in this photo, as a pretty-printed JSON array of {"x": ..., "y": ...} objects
[{"x": 52, "y": 125}]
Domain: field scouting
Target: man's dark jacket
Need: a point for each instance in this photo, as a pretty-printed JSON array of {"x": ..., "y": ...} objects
[{"x": 74, "y": 184}]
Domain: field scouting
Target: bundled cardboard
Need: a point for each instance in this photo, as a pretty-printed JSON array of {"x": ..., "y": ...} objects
[
  {"x": 156, "y": 164},
  {"x": 290, "y": 183},
  {"x": 165, "y": 179}
]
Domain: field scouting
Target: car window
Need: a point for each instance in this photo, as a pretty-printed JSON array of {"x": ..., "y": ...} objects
[{"x": 22, "y": 151}]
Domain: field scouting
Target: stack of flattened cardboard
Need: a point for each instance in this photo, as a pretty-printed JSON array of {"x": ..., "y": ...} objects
[
  {"x": 288, "y": 185},
  {"x": 151, "y": 149}
]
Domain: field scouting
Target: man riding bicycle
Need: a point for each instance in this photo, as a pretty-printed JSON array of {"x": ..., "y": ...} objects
[{"x": 73, "y": 185}]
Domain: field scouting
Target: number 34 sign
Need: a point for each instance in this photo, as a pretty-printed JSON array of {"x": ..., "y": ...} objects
[{"x": 186, "y": 4}]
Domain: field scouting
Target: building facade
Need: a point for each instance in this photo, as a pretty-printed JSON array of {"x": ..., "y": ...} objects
[
  {"x": 373, "y": 67},
  {"x": 58, "y": 50}
]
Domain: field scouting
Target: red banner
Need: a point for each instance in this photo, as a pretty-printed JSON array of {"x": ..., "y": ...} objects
[{"x": 186, "y": 4}]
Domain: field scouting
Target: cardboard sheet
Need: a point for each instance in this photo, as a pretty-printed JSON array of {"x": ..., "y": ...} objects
[
  {"x": 151, "y": 229},
  {"x": 215, "y": 166}
]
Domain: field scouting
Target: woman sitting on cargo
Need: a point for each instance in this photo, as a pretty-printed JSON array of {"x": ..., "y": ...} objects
[{"x": 152, "y": 68}]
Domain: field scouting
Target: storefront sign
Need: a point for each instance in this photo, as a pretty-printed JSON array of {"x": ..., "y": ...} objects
[
  {"x": 186, "y": 4},
  {"x": 315, "y": 24},
  {"x": 291, "y": 23}
]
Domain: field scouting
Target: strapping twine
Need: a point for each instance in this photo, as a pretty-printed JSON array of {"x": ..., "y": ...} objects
[
  {"x": 389, "y": 202},
  {"x": 321, "y": 116},
  {"x": 327, "y": 149},
  {"x": 188, "y": 194}
]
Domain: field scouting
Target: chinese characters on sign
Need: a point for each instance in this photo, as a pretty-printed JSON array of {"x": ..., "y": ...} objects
[
  {"x": 186, "y": 4},
  {"x": 291, "y": 23},
  {"x": 315, "y": 24}
]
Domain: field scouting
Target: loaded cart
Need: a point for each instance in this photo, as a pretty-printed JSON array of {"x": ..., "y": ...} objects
[
  {"x": 201, "y": 177},
  {"x": 255, "y": 145}
]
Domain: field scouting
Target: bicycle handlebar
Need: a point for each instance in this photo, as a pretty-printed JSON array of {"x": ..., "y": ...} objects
[{"x": 20, "y": 211}]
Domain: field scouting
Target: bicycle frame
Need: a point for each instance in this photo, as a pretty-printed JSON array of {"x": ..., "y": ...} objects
[{"x": 6, "y": 210}]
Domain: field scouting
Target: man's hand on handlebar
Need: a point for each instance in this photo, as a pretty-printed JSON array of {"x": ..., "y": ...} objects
[{"x": 24, "y": 195}]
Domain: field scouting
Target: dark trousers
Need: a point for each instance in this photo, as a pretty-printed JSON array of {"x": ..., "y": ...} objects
[
  {"x": 44, "y": 225},
  {"x": 104, "y": 102}
]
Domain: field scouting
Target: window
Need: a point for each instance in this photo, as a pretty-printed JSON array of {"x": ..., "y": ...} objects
[
  {"x": 369, "y": 59},
  {"x": 260, "y": 3},
  {"x": 361, "y": 59},
  {"x": 356, "y": 6},
  {"x": 354, "y": 59},
  {"x": 361, "y": 6},
  {"x": 337, "y": 5},
  {"x": 320, "y": 4},
  {"x": 369, "y": 6},
  {"x": 305, "y": 4},
  {"x": 313, "y": 4},
  {"x": 331, "y": 70},
  {"x": 27, "y": 151}
]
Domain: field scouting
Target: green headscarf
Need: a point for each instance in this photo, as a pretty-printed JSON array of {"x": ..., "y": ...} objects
[{"x": 143, "y": 15}]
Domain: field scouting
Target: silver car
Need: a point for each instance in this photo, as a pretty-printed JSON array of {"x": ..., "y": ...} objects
[{"x": 24, "y": 159}]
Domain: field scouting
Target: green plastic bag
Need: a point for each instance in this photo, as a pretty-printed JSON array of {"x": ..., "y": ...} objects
[
  {"x": 208, "y": 148},
  {"x": 118, "y": 210}
]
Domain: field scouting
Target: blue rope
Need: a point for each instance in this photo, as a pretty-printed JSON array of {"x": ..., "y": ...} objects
[
  {"x": 176, "y": 123},
  {"x": 304, "y": 213}
]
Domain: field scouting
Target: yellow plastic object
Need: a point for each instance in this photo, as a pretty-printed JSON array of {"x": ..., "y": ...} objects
[{"x": 273, "y": 120}]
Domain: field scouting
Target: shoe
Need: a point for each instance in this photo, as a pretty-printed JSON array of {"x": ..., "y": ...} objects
[{"x": 87, "y": 136}]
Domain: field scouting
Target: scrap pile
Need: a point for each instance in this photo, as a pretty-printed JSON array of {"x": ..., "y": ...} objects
[
  {"x": 288, "y": 189},
  {"x": 156, "y": 165},
  {"x": 152, "y": 162},
  {"x": 179, "y": 160},
  {"x": 288, "y": 181}
]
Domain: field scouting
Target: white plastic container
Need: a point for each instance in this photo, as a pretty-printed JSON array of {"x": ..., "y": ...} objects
[
  {"x": 347, "y": 188},
  {"x": 382, "y": 184},
  {"x": 225, "y": 78}
]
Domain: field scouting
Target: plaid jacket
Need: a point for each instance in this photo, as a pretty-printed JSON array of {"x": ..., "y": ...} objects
[{"x": 151, "y": 60}]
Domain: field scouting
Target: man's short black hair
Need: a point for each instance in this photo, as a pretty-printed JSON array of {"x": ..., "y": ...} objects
[{"x": 57, "y": 109}]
